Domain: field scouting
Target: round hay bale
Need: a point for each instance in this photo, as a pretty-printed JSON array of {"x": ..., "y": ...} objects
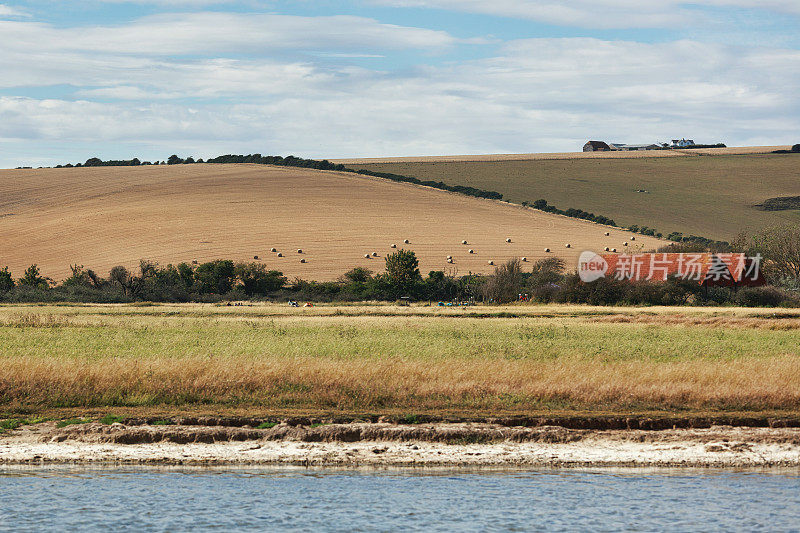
[
  {"x": 614, "y": 250},
  {"x": 607, "y": 234},
  {"x": 394, "y": 246},
  {"x": 471, "y": 251},
  {"x": 280, "y": 254},
  {"x": 547, "y": 250},
  {"x": 374, "y": 254},
  {"x": 449, "y": 256},
  {"x": 366, "y": 256},
  {"x": 463, "y": 242},
  {"x": 508, "y": 239},
  {"x": 606, "y": 249},
  {"x": 568, "y": 245},
  {"x": 302, "y": 260},
  {"x": 633, "y": 238},
  {"x": 255, "y": 257},
  {"x": 406, "y": 241},
  {"x": 491, "y": 262},
  {"x": 273, "y": 250},
  {"x": 524, "y": 259},
  {"x": 450, "y": 260},
  {"x": 299, "y": 250},
  {"x": 624, "y": 244}
]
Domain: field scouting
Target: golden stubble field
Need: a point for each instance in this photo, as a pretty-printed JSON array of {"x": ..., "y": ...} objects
[{"x": 107, "y": 216}]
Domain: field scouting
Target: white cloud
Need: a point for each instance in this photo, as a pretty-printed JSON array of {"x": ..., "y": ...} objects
[
  {"x": 11, "y": 12},
  {"x": 222, "y": 33},
  {"x": 533, "y": 95},
  {"x": 604, "y": 14}
]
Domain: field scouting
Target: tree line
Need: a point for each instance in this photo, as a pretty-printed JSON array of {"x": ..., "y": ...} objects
[{"x": 548, "y": 281}]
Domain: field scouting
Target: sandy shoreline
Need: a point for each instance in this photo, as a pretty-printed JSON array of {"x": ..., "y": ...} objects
[{"x": 384, "y": 445}]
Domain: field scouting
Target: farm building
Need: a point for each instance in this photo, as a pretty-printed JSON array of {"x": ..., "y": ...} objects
[
  {"x": 596, "y": 146},
  {"x": 682, "y": 143}
]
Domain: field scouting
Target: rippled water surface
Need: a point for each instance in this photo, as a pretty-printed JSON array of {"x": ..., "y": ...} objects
[{"x": 122, "y": 499}]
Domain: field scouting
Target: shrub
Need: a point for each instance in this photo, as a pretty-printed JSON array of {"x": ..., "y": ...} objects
[
  {"x": 506, "y": 282},
  {"x": 255, "y": 279},
  {"x": 547, "y": 271},
  {"x": 761, "y": 297},
  {"x": 358, "y": 275},
  {"x": 545, "y": 293},
  {"x": 604, "y": 291}
]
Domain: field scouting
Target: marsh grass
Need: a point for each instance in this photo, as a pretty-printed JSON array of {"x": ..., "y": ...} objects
[
  {"x": 72, "y": 422},
  {"x": 112, "y": 419},
  {"x": 596, "y": 360}
]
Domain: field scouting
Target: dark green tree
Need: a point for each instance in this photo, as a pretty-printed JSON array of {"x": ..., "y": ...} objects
[
  {"x": 402, "y": 271},
  {"x": 216, "y": 277},
  {"x": 6, "y": 281},
  {"x": 187, "y": 275},
  {"x": 120, "y": 277},
  {"x": 174, "y": 160},
  {"x": 255, "y": 279},
  {"x": 33, "y": 278}
]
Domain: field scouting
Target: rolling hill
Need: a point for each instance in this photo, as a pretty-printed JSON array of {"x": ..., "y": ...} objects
[
  {"x": 105, "y": 216},
  {"x": 712, "y": 193}
]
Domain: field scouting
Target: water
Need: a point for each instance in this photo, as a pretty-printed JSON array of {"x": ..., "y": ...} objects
[{"x": 269, "y": 499}]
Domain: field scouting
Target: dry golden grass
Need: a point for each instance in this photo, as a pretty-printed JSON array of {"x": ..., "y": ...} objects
[
  {"x": 197, "y": 357},
  {"x": 372, "y": 385},
  {"x": 731, "y": 150},
  {"x": 107, "y": 216}
]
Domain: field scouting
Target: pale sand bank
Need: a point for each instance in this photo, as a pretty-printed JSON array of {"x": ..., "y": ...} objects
[{"x": 401, "y": 445}]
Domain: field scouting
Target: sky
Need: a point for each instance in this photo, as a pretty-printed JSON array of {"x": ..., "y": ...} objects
[{"x": 118, "y": 79}]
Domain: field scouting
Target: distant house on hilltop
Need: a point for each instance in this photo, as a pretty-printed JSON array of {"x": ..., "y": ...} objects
[
  {"x": 682, "y": 143},
  {"x": 596, "y": 146}
]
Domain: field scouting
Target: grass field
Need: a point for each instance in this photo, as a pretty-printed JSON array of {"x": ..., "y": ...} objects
[
  {"x": 106, "y": 216},
  {"x": 384, "y": 359},
  {"x": 709, "y": 195}
]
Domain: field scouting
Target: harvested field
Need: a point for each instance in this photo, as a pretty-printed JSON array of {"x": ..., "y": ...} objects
[
  {"x": 731, "y": 150},
  {"x": 106, "y": 216},
  {"x": 714, "y": 196},
  {"x": 207, "y": 358}
]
